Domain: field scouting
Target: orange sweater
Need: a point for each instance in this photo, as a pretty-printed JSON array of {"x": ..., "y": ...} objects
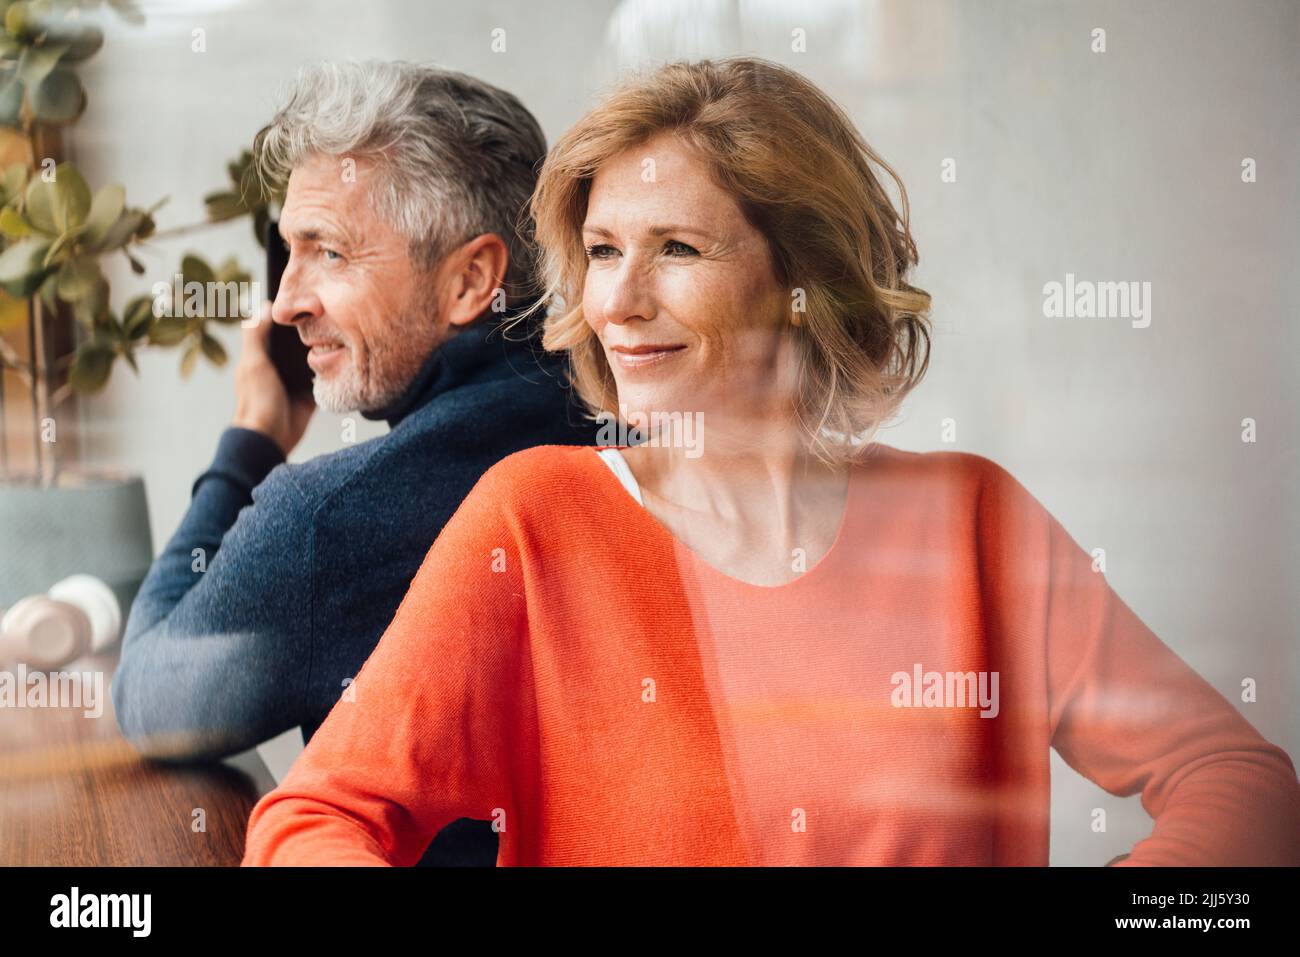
[{"x": 565, "y": 667}]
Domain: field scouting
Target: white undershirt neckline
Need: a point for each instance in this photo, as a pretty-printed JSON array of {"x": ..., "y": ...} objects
[{"x": 618, "y": 465}]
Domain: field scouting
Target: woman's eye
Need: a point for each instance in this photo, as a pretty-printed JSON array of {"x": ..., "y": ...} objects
[
  {"x": 675, "y": 248},
  {"x": 600, "y": 251}
]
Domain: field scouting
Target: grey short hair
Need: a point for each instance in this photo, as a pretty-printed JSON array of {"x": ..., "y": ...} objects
[{"x": 456, "y": 157}]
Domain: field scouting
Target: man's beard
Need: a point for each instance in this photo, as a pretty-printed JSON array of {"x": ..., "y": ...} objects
[{"x": 375, "y": 379}]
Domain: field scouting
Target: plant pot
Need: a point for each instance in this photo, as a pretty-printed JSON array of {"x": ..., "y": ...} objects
[{"x": 93, "y": 523}]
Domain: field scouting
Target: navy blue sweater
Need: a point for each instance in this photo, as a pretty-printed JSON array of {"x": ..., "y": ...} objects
[{"x": 282, "y": 578}]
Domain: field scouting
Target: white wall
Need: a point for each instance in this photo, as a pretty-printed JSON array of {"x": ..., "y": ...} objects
[{"x": 1116, "y": 166}]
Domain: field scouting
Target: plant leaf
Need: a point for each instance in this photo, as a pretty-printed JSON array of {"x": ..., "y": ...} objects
[
  {"x": 24, "y": 259},
  {"x": 213, "y": 349},
  {"x": 39, "y": 205},
  {"x": 13, "y": 224},
  {"x": 13, "y": 180},
  {"x": 91, "y": 366},
  {"x": 77, "y": 277},
  {"x": 168, "y": 330},
  {"x": 72, "y": 197},
  {"x": 59, "y": 97},
  {"x": 105, "y": 210},
  {"x": 11, "y": 100},
  {"x": 82, "y": 39},
  {"x": 121, "y": 232},
  {"x": 65, "y": 242},
  {"x": 93, "y": 306},
  {"x": 222, "y": 206},
  {"x": 195, "y": 268},
  {"x": 19, "y": 22},
  {"x": 137, "y": 317},
  {"x": 231, "y": 271},
  {"x": 36, "y": 62},
  {"x": 110, "y": 330}
]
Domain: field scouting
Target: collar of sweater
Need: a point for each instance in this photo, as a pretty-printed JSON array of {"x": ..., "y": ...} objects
[{"x": 477, "y": 348}]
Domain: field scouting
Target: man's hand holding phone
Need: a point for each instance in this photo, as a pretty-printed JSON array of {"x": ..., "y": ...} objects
[{"x": 261, "y": 401}]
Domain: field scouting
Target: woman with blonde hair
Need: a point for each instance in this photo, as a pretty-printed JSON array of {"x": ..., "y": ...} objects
[{"x": 757, "y": 635}]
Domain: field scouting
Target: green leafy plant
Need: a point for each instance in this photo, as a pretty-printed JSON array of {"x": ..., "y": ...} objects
[
  {"x": 40, "y": 41},
  {"x": 55, "y": 231},
  {"x": 248, "y": 196}
]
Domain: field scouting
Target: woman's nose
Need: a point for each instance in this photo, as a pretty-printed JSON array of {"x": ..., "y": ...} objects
[{"x": 630, "y": 293}]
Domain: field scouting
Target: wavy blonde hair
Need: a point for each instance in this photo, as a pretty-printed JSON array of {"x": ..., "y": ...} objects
[{"x": 802, "y": 176}]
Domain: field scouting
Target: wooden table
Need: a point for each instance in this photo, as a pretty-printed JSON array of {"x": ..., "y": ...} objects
[{"x": 73, "y": 792}]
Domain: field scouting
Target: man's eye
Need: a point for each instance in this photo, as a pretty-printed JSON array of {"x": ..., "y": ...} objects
[
  {"x": 330, "y": 254},
  {"x": 600, "y": 251},
  {"x": 675, "y": 248}
]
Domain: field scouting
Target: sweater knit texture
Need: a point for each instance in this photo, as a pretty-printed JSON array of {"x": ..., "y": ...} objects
[{"x": 565, "y": 667}]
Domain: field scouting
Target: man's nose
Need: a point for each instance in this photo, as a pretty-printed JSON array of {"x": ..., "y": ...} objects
[{"x": 296, "y": 299}]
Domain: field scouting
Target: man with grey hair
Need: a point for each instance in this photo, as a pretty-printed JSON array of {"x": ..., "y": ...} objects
[{"x": 408, "y": 249}]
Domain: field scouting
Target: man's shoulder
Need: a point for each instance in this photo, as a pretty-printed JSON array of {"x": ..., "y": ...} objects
[
  {"x": 419, "y": 472},
  {"x": 317, "y": 479}
]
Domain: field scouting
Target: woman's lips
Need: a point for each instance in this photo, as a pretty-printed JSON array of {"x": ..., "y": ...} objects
[{"x": 643, "y": 356}]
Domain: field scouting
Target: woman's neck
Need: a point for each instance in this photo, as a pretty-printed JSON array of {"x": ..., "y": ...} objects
[{"x": 760, "y": 481}]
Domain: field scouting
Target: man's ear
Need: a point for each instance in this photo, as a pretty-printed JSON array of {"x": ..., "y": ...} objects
[{"x": 472, "y": 279}]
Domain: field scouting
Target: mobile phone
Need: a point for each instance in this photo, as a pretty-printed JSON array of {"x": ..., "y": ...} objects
[{"x": 288, "y": 354}]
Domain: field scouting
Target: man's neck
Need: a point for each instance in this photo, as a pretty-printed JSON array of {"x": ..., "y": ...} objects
[{"x": 452, "y": 361}]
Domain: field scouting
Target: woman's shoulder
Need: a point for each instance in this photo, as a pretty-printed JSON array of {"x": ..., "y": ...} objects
[
  {"x": 954, "y": 473},
  {"x": 966, "y": 500},
  {"x": 544, "y": 462},
  {"x": 538, "y": 473},
  {"x": 952, "y": 463},
  {"x": 534, "y": 488}
]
